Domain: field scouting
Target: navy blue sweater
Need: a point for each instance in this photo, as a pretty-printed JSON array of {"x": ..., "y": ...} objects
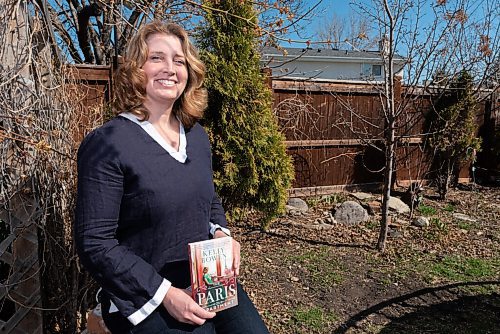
[{"x": 138, "y": 208}]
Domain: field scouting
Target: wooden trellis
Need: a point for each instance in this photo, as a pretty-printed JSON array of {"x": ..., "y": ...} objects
[{"x": 20, "y": 298}]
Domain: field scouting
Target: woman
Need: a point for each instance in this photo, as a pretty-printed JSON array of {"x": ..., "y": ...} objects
[{"x": 145, "y": 190}]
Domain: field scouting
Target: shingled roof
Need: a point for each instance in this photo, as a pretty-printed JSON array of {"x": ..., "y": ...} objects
[{"x": 309, "y": 53}]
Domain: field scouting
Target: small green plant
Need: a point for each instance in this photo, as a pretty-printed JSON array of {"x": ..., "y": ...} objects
[
  {"x": 372, "y": 224},
  {"x": 333, "y": 198},
  {"x": 314, "y": 318},
  {"x": 439, "y": 224},
  {"x": 449, "y": 207},
  {"x": 313, "y": 201},
  {"x": 464, "y": 225},
  {"x": 426, "y": 210},
  {"x": 432, "y": 235}
]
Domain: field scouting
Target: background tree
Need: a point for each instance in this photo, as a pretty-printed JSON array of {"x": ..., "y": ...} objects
[
  {"x": 251, "y": 167},
  {"x": 352, "y": 33},
  {"x": 95, "y": 31},
  {"x": 454, "y": 127},
  {"x": 435, "y": 36}
]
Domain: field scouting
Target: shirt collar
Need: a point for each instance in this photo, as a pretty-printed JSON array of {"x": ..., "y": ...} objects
[{"x": 180, "y": 155}]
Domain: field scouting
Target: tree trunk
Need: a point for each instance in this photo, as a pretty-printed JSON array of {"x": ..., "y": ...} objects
[{"x": 390, "y": 131}]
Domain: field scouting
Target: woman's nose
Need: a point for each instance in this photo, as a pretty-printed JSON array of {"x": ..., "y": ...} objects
[{"x": 168, "y": 67}]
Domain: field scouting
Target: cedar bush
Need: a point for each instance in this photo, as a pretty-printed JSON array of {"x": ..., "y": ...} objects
[
  {"x": 454, "y": 128},
  {"x": 251, "y": 167}
]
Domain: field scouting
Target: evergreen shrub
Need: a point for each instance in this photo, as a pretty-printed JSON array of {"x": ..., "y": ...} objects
[{"x": 251, "y": 167}]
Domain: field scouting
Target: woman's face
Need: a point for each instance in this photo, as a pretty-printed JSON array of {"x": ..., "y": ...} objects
[{"x": 165, "y": 68}]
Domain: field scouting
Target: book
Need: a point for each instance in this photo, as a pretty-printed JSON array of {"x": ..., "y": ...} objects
[{"x": 213, "y": 280}]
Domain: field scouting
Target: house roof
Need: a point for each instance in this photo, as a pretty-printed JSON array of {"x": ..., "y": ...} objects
[{"x": 314, "y": 54}]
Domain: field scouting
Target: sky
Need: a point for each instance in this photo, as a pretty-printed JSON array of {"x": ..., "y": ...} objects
[{"x": 325, "y": 9}]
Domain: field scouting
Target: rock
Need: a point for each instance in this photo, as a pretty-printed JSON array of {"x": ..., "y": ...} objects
[
  {"x": 362, "y": 196},
  {"x": 350, "y": 213},
  {"x": 461, "y": 216},
  {"x": 298, "y": 204},
  {"x": 398, "y": 205},
  {"x": 420, "y": 222},
  {"x": 374, "y": 207},
  {"x": 292, "y": 211}
]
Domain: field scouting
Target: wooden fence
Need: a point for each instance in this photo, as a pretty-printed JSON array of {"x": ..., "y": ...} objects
[
  {"x": 328, "y": 126},
  {"x": 333, "y": 130}
]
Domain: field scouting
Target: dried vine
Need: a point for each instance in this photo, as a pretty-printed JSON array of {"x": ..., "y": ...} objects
[{"x": 41, "y": 123}]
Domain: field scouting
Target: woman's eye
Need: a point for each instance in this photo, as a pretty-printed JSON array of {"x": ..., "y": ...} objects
[
  {"x": 155, "y": 58},
  {"x": 180, "y": 61}
]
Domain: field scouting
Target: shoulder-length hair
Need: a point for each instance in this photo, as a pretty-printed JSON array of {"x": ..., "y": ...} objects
[{"x": 130, "y": 79}]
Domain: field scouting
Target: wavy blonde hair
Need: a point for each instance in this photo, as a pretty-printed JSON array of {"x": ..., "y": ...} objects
[{"x": 130, "y": 79}]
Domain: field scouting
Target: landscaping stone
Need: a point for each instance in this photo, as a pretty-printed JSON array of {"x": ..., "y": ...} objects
[
  {"x": 362, "y": 196},
  {"x": 463, "y": 217},
  {"x": 420, "y": 222},
  {"x": 395, "y": 204},
  {"x": 374, "y": 207},
  {"x": 350, "y": 213},
  {"x": 298, "y": 204}
]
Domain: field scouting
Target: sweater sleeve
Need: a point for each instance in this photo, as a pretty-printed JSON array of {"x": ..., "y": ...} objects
[
  {"x": 133, "y": 284},
  {"x": 217, "y": 215}
]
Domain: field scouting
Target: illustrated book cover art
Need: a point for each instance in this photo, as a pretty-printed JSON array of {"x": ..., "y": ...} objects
[{"x": 213, "y": 281}]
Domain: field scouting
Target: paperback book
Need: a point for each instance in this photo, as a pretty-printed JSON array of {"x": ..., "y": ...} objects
[{"x": 213, "y": 281}]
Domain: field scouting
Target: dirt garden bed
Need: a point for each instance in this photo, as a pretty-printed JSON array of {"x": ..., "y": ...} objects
[{"x": 443, "y": 278}]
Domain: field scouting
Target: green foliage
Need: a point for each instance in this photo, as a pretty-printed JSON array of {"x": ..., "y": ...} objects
[
  {"x": 465, "y": 225},
  {"x": 449, "y": 207},
  {"x": 426, "y": 210},
  {"x": 454, "y": 128},
  {"x": 441, "y": 225},
  {"x": 251, "y": 167}
]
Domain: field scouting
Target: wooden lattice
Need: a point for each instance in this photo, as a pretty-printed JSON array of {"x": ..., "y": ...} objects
[{"x": 20, "y": 298}]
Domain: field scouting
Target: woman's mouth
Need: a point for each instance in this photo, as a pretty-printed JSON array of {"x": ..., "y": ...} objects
[{"x": 166, "y": 83}]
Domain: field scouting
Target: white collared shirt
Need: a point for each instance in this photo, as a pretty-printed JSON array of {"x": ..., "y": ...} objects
[{"x": 179, "y": 155}]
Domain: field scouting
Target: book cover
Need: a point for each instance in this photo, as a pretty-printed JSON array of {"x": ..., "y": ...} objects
[{"x": 213, "y": 281}]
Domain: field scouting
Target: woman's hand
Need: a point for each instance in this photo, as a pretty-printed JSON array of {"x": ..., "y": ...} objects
[
  {"x": 236, "y": 251},
  {"x": 183, "y": 308},
  {"x": 95, "y": 324}
]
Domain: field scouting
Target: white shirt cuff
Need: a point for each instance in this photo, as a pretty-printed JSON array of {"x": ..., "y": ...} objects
[
  {"x": 215, "y": 227},
  {"x": 151, "y": 305}
]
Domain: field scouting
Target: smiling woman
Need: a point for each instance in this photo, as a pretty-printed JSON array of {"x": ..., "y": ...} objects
[
  {"x": 145, "y": 190},
  {"x": 166, "y": 72}
]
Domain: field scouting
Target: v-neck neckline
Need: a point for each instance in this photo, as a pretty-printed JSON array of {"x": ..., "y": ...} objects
[{"x": 179, "y": 155}]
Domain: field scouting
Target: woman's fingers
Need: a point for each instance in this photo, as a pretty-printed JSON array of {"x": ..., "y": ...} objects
[
  {"x": 236, "y": 257},
  {"x": 184, "y": 309}
]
